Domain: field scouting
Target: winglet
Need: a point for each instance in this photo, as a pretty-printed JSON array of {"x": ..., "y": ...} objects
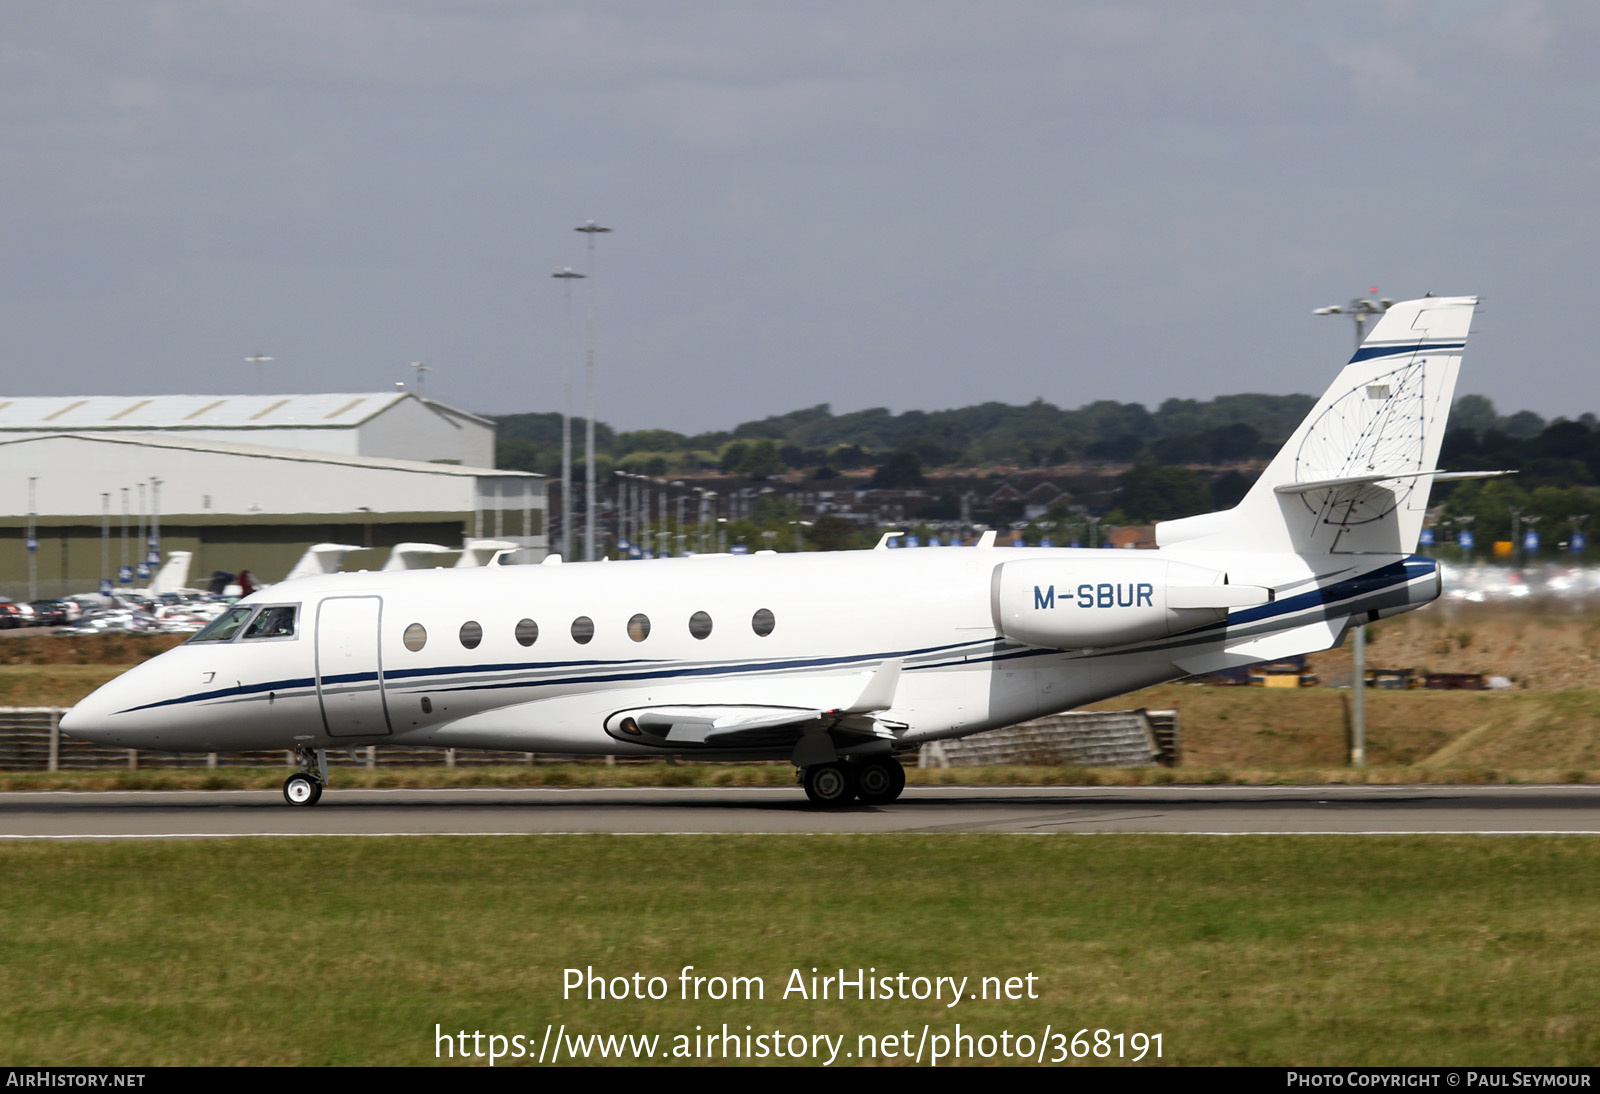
[{"x": 883, "y": 542}]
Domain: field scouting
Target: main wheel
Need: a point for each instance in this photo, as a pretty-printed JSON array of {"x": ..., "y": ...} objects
[
  {"x": 879, "y": 781},
  {"x": 830, "y": 785},
  {"x": 301, "y": 789}
]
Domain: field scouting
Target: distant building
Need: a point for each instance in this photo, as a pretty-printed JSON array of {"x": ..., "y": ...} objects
[
  {"x": 398, "y": 424},
  {"x": 247, "y": 506}
]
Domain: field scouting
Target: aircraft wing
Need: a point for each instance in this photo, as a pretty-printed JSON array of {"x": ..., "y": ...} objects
[
  {"x": 739, "y": 726},
  {"x": 711, "y": 726},
  {"x": 730, "y": 715}
]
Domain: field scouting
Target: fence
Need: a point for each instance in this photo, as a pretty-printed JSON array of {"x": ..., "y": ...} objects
[
  {"x": 31, "y": 740},
  {"x": 1080, "y": 738}
]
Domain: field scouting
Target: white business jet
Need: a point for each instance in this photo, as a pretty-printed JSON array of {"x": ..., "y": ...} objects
[{"x": 836, "y": 662}]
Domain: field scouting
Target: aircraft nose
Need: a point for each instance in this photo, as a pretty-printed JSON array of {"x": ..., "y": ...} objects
[
  {"x": 88, "y": 720},
  {"x": 109, "y": 716}
]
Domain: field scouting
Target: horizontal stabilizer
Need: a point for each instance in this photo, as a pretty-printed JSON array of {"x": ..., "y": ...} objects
[{"x": 1371, "y": 480}]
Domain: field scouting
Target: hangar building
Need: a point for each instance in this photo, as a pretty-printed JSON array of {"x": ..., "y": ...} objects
[
  {"x": 395, "y": 423},
  {"x": 247, "y": 483}
]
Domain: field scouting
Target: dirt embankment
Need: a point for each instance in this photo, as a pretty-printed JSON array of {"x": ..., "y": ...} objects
[
  {"x": 38, "y": 647},
  {"x": 1544, "y": 647}
]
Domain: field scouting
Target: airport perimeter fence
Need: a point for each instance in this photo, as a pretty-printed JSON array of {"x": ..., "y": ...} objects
[
  {"x": 31, "y": 740},
  {"x": 1078, "y": 738}
]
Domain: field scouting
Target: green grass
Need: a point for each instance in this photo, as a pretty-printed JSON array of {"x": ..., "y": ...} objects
[{"x": 1313, "y": 950}]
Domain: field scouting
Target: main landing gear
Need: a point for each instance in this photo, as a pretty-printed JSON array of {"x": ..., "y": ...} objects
[
  {"x": 304, "y": 787},
  {"x": 877, "y": 780}
]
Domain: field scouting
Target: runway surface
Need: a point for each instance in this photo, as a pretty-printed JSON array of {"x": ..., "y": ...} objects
[{"x": 944, "y": 809}]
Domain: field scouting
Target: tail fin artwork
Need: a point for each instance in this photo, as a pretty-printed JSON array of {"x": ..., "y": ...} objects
[{"x": 1354, "y": 477}]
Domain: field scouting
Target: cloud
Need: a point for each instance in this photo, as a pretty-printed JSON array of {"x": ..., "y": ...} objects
[
  {"x": 1382, "y": 77},
  {"x": 729, "y": 115},
  {"x": 1519, "y": 31}
]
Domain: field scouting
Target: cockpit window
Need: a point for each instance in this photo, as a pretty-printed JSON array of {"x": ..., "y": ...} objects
[
  {"x": 224, "y": 626},
  {"x": 273, "y": 622}
]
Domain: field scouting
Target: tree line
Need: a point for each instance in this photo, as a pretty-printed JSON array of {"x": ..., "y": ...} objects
[{"x": 1187, "y": 456}]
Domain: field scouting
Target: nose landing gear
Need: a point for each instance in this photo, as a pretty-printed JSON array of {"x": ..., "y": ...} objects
[
  {"x": 304, "y": 787},
  {"x": 301, "y": 789}
]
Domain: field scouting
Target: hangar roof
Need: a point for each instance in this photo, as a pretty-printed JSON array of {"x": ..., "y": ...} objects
[
  {"x": 261, "y": 451},
  {"x": 77, "y": 413}
]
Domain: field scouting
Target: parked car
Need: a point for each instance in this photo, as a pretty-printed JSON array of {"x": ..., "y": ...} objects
[{"x": 49, "y": 613}]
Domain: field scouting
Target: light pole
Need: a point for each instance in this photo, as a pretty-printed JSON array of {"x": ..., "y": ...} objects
[
  {"x": 799, "y": 544},
  {"x": 143, "y": 568},
  {"x": 567, "y": 276},
  {"x": 420, "y": 371},
  {"x": 105, "y": 543},
  {"x": 33, "y": 539},
  {"x": 155, "y": 521},
  {"x": 591, "y": 229},
  {"x": 258, "y": 360},
  {"x": 1358, "y": 309},
  {"x": 124, "y": 571}
]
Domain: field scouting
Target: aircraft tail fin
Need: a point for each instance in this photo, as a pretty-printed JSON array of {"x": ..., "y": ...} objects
[
  {"x": 415, "y": 556},
  {"x": 321, "y": 558},
  {"x": 484, "y": 552},
  {"x": 174, "y": 573},
  {"x": 1354, "y": 477}
]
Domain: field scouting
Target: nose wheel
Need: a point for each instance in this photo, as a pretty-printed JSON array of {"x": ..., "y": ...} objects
[
  {"x": 301, "y": 789},
  {"x": 304, "y": 787}
]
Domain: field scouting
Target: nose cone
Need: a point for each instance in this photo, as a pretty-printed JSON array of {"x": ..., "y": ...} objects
[
  {"x": 96, "y": 717},
  {"x": 125, "y": 712}
]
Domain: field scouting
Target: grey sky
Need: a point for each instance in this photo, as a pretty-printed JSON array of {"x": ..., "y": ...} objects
[{"x": 905, "y": 204}]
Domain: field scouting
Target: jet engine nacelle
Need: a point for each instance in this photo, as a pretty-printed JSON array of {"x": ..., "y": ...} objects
[{"x": 1081, "y": 603}]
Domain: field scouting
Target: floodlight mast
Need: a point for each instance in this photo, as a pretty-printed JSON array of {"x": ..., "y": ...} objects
[
  {"x": 1358, "y": 309},
  {"x": 567, "y": 275},
  {"x": 591, "y": 229}
]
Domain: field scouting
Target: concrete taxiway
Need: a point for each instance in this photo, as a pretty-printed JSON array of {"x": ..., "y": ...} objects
[{"x": 943, "y": 809}]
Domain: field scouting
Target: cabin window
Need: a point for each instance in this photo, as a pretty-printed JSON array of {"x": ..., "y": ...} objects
[
  {"x": 224, "y": 626},
  {"x": 639, "y": 627},
  {"x": 273, "y": 622},
  {"x": 582, "y": 630},
  {"x": 527, "y": 632},
  {"x": 416, "y": 637},
  {"x": 471, "y": 634},
  {"x": 763, "y": 622},
  {"x": 700, "y": 625}
]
